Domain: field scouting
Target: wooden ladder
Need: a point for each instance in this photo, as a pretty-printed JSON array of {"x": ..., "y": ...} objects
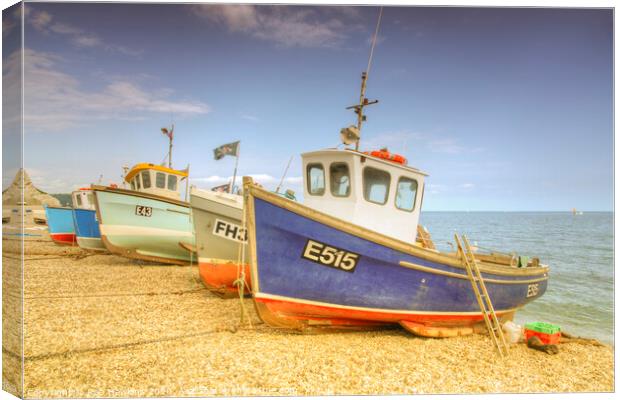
[{"x": 480, "y": 290}]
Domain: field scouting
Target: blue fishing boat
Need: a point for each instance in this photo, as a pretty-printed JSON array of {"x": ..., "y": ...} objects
[
  {"x": 353, "y": 255},
  {"x": 310, "y": 268},
  {"x": 85, "y": 221},
  {"x": 60, "y": 225}
]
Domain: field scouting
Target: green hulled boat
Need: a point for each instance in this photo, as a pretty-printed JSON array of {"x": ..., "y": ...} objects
[{"x": 149, "y": 221}]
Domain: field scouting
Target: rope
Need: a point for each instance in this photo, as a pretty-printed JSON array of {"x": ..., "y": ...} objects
[
  {"x": 494, "y": 251},
  {"x": 374, "y": 42},
  {"x": 178, "y": 292},
  {"x": 74, "y": 257},
  {"x": 240, "y": 281},
  {"x": 115, "y": 346},
  {"x": 27, "y": 239}
]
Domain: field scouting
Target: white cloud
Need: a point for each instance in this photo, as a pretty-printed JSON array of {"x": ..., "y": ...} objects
[
  {"x": 288, "y": 26},
  {"x": 398, "y": 142},
  {"x": 50, "y": 182},
  {"x": 263, "y": 179},
  {"x": 44, "y": 22},
  {"x": 434, "y": 188},
  {"x": 402, "y": 141},
  {"x": 39, "y": 19},
  {"x": 8, "y": 23},
  {"x": 467, "y": 185},
  {"x": 445, "y": 145},
  {"x": 249, "y": 117},
  {"x": 54, "y": 100},
  {"x": 64, "y": 29},
  {"x": 450, "y": 145},
  {"x": 87, "y": 41}
]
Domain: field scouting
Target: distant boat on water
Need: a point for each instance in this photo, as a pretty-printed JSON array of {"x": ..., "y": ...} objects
[{"x": 575, "y": 212}]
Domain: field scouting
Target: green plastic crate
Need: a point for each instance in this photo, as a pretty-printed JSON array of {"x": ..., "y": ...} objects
[{"x": 543, "y": 327}]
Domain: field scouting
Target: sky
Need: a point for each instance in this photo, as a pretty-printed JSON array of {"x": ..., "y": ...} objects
[{"x": 506, "y": 109}]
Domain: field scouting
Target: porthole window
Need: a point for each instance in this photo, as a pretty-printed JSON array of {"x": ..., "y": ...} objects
[
  {"x": 146, "y": 179},
  {"x": 316, "y": 179},
  {"x": 339, "y": 180},
  {"x": 406, "y": 190},
  {"x": 376, "y": 185},
  {"x": 160, "y": 180}
]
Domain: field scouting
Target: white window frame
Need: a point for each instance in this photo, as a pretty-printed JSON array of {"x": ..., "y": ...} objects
[{"x": 387, "y": 189}]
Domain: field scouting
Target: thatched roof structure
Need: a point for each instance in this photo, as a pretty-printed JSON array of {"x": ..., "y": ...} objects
[{"x": 12, "y": 195}]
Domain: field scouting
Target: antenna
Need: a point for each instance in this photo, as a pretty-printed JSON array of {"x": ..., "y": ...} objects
[
  {"x": 170, "y": 134},
  {"x": 350, "y": 134},
  {"x": 284, "y": 175}
]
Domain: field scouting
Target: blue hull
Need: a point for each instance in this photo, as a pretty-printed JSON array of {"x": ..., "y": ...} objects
[
  {"x": 60, "y": 224},
  {"x": 87, "y": 229},
  {"x": 378, "y": 286}
]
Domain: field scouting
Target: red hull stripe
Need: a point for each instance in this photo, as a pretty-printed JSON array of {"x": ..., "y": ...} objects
[
  {"x": 63, "y": 238},
  {"x": 297, "y": 310}
]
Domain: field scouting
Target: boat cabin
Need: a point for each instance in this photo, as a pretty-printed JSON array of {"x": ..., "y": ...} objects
[
  {"x": 375, "y": 190},
  {"x": 83, "y": 198},
  {"x": 156, "y": 179}
]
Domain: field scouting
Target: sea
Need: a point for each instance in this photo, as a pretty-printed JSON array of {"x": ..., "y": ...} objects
[{"x": 579, "y": 250}]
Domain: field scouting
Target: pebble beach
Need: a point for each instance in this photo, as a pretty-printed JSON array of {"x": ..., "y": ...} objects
[{"x": 99, "y": 325}]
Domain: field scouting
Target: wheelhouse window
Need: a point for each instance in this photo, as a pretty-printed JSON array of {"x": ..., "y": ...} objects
[
  {"x": 376, "y": 185},
  {"x": 172, "y": 182},
  {"x": 91, "y": 199},
  {"x": 78, "y": 200},
  {"x": 316, "y": 179},
  {"x": 137, "y": 179},
  {"x": 340, "y": 180},
  {"x": 146, "y": 179},
  {"x": 406, "y": 190},
  {"x": 160, "y": 180}
]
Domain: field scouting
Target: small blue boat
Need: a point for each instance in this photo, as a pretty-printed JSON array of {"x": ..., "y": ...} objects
[
  {"x": 85, "y": 221},
  {"x": 60, "y": 225}
]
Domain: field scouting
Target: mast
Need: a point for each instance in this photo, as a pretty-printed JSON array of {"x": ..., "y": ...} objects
[
  {"x": 359, "y": 108},
  {"x": 232, "y": 185},
  {"x": 170, "y": 136},
  {"x": 284, "y": 175}
]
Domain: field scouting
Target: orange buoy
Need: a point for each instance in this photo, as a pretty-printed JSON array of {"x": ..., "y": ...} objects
[{"x": 386, "y": 155}]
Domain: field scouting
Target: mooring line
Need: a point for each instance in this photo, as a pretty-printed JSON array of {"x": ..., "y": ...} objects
[
  {"x": 115, "y": 346},
  {"x": 178, "y": 292},
  {"x": 75, "y": 257}
]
